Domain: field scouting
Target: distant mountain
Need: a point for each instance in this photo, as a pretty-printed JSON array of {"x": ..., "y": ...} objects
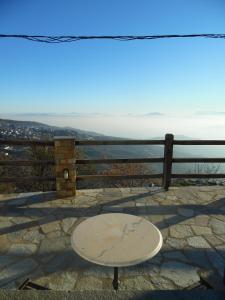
[
  {"x": 12, "y": 129},
  {"x": 176, "y": 137},
  {"x": 92, "y": 133},
  {"x": 30, "y": 129},
  {"x": 153, "y": 114},
  {"x": 35, "y": 130}
]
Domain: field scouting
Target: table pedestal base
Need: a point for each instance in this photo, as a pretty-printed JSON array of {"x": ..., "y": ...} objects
[{"x": 115, "y": 282}]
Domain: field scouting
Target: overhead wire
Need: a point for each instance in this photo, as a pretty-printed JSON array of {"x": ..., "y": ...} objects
[{"x": 73, "y": 38}]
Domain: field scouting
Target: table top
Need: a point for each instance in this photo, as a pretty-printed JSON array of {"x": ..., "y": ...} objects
[{"x": 116, "y": 239}]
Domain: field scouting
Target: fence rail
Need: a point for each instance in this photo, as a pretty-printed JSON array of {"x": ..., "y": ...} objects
[
  {"x": 26, "y": 162},
  {"x": 27, "y": 179},
  {"x": 200, "y": 175},
  {"x": 27, "y": 142},
  {"x": 198, "y": 160},
  {"x": 117, "y": 177},
  {"x": 23, "y": 142},
  {"x": 119, "y": 142},
  {"x": 119, "y": 161},
  {"x": 167, "y": 159},
  {"x": 199, "y": 142}
]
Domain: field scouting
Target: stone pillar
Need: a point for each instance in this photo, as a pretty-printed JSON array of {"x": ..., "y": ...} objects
[{"x": 65, "y": 160}]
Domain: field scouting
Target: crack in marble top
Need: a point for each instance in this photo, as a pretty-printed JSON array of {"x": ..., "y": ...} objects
[{"x": 125, "y": 233}]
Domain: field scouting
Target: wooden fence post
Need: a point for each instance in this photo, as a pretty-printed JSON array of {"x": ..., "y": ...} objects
[{"x": 168, "y": 156}]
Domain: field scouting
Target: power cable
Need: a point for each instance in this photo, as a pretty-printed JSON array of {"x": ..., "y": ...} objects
[{"x": 74, "y": 38}]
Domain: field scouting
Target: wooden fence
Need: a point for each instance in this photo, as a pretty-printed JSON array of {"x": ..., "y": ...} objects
[{"x": 167, "y": 160}]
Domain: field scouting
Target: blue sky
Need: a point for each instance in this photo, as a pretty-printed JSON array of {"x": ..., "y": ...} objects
[{"x": 137, "y": 77}]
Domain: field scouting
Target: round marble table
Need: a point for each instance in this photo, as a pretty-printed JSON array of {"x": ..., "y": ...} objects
[{"x": 116, "y": 240}]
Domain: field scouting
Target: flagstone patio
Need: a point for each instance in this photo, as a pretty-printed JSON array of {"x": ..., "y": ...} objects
[{"x": 35, "y": 230}]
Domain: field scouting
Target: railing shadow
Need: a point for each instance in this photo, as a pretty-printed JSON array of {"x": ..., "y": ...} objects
[
  {"x": 68, "y": 260},
  {"x": 180, "y": 295},
  {"x": 12, "y": 208}
]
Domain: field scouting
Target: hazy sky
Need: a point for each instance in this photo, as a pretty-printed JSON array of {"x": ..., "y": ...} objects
[{"x": 177, "y": 78}]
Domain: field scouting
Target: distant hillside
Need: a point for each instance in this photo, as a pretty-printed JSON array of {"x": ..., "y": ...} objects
[
  {"x": 11, "y": 129},
  {"x": 29, "y": 129},
  {"x": 34, "y": 130}
]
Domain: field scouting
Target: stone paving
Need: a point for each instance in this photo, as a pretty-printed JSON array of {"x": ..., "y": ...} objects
[{"x": 35, "y": 230}]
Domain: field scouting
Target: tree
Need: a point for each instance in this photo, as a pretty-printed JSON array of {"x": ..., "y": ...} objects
[
  {"x": 5, "y": 172},
  {"x": 208, "y": 168},
  {"x": 199, "y": 168},
  {"x": 42, "y": 153},
  {"x": 128, "y": 169}
]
